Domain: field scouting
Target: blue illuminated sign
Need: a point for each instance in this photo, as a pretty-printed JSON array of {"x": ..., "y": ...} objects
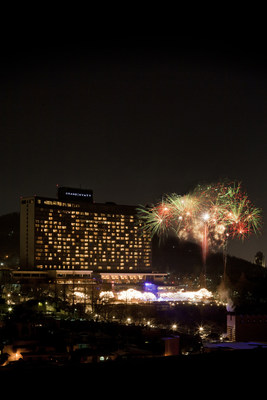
[{"x": 150, "y": 287}]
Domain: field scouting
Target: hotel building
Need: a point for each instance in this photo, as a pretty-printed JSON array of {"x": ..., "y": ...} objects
[{"x": 74, "y": 233}]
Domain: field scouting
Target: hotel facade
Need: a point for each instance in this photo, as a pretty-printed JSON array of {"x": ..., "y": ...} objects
[{"x": 74, "y": 233}]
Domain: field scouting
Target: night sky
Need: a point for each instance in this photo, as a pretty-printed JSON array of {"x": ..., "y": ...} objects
[{"x": 133, "y": 119}]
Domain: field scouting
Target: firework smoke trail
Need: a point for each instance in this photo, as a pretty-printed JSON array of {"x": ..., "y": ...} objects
[{"x": 210, "y": 215}]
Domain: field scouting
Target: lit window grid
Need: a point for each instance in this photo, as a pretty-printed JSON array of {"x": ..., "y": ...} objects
[{"x": 70, "y": 239}]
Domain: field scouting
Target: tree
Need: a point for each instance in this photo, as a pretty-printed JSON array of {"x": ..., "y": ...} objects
[{"x": 259, "y": 259}]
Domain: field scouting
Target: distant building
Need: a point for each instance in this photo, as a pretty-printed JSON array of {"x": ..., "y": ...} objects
[
  {"x": 82, "y": 275},
  {"x": 245, "y": 327},
  {"x": 73, "y": 233}
]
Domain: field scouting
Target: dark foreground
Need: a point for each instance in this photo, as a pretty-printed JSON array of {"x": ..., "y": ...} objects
[{"x": 243, "y": 371}]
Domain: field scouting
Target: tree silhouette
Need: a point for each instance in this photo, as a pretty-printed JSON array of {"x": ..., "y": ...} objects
[{"x": 259, "y": 259}]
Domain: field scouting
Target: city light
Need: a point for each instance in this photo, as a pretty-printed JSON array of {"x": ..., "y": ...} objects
[{"x": 137, "y": 296}]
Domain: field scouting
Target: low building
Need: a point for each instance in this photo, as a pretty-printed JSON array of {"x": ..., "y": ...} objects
[
  {"x": 246, "y": 327},
  {"x": 68, "y": 276}
]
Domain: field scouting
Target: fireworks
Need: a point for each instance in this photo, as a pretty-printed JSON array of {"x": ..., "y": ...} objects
[
  {"x": 210, "y": 214},
  {"x": 157, "y": 219}
]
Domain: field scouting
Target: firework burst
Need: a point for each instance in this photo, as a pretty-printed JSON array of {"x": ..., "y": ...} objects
[
  {"x": 155, "y": 220},
  {"x": 210, "y": 214}
]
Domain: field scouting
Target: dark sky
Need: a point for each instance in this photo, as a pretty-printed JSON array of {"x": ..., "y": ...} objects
[{"x": 133, "y": 119}]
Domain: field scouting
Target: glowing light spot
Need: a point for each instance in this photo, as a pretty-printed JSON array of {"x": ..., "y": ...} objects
[
  {"x": 136, "y": 296},
  {"x": 206, "y": 216}
]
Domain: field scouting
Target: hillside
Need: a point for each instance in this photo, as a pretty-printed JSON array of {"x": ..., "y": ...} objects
[
  {"x": 170, "y": 256},
  {"x": 244, "y": 279},
  {"x": 9, "y": 239},
  {"x": 245, "y": 283},
  {"x": 186, "y": 258}
]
